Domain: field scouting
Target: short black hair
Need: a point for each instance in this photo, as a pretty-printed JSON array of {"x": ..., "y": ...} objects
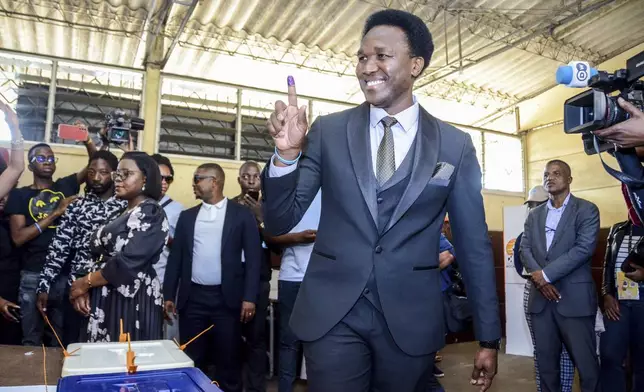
[
  {"x": 163, "y": 160},
  {"x": 107, "y": 156},
  {"x": 418, "y": 36},
  {"x": 562, "y": 164},
  {"x": 249, "y": 163},
  {"x": 219, "y": 171},
  {"x": 150, "y": 170},
  {"x": 33, "y": 149}
]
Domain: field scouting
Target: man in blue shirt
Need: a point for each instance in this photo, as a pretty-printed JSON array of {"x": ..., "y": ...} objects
[{"x": 445, "y": 260}]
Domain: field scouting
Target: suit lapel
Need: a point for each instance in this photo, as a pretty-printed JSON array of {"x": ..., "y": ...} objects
[
  {"x": 360, "y": 153},
  {"x": 425, "y": 159},
  {"x": 229, "y": 221},
  {"x": 565, "y": 220},
  {"x": 190, "y": 230},
  {"x": 541, "y": 228}
]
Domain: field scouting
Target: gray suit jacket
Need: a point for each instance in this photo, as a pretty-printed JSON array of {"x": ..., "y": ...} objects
[
  {"x": 403, "y": 255},
  {"x": 568, "y": 261}
]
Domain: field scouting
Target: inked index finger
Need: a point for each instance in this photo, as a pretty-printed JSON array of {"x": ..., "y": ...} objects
[{"x": 292, "y": 95}]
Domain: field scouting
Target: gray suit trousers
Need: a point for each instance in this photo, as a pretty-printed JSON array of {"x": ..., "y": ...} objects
[
  {"x": 551, "y": 329},
  {"x": 360, "y": 355}
]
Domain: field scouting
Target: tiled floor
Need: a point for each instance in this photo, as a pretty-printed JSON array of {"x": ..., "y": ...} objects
[{"x": 515, "y": 373}]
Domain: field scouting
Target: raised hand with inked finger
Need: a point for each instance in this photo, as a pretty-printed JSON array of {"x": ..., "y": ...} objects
[{"x": 288, "y": 125}]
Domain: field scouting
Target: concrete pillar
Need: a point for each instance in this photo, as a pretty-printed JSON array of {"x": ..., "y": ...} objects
[
  {"x": 151, "y": 105},
  {"x": 151, "y": 109}
]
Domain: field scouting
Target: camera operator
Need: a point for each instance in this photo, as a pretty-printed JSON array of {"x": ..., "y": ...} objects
[
  {"x": 623, "y": 296},
  {"x": 626, "y": 134}
]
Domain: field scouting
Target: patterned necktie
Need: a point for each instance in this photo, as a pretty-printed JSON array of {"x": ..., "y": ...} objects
[{"x": 386, "y": 158}]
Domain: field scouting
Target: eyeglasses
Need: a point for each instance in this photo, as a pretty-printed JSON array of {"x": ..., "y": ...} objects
[
  {"x": 198, "y": 179},
  {"x": 167, "y": 179},
  {"x": 123, "y": 174},
  {"x": 42, "y": 159}
]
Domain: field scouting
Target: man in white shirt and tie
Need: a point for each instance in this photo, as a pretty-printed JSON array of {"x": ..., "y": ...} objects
[{"x": 214, "y": 286}]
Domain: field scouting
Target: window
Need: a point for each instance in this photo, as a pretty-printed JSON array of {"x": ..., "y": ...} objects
[
  {"x": 24, "y": 85},
  {"x": 503, "y": 163},
  {"x": 87, "y": 93},
  {"x": 197, "y": 119}
]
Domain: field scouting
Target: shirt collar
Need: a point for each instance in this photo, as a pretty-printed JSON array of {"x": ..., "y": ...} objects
[
  {"x": 565, "y": 203},
  {"x": 407, "y": 118},
  {"x": 164, "y": 199},
  {"x": 218, "y": 206}
]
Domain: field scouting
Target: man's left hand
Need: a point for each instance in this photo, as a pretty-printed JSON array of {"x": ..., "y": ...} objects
[
  {"x": 538, "y": 279},
  {"x": 637, "y": 275},
  {"x": 247, "y": 311},
  {"x": 629, "y": 133},
  {"x": 485, "y": 368}
]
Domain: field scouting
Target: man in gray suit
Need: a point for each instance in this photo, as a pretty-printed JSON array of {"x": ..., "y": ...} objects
[
  {"x": 556, "y": 249},
  {"x": 369, "y": 309}
]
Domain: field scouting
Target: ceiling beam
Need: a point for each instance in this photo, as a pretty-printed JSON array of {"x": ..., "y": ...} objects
[
  {"x": 186, "y": 17},
  {"x": 255, "y": 47},
  {"x": 539, "y": 35},
  {"x": 502, "y": 111}
]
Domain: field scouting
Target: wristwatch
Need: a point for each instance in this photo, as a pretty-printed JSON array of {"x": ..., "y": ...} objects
[{"x": 491, "y": 344}]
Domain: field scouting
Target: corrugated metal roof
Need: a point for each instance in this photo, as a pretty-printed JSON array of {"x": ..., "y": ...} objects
[{"x": 223, "y": 39}]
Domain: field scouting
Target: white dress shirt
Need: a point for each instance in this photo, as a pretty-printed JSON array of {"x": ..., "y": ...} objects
[
  {"x": 552, "y": 221},
  {"x": 404, "y": 132},
  {"x": 206, "y": 253},
  {"x": 172, "y": 212},
  {"x": 295, "y": 259}
]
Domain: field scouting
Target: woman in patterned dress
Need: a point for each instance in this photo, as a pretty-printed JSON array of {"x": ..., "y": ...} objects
[{"x": 123, "y": 283}]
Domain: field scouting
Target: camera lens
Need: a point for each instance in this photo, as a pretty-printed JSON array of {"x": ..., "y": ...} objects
[{"x": 614, "y": 113}]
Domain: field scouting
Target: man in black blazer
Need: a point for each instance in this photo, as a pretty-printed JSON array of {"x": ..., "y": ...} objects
[
  {"x": 370, "y": 310},
  {"x": 215, "y": 287}
]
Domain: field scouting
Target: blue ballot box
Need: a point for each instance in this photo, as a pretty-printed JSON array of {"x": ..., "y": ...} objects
[{"x": 183, "y": 379}]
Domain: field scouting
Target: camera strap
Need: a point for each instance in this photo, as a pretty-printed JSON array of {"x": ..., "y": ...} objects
[
  {"x": 166, "y": 203},
  {"x": 632, "y": 173},
  {"x": 631, "y": 176}
]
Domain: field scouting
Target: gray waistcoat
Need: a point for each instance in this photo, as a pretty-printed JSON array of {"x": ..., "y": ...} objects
[{"x": 388, "y": 197}]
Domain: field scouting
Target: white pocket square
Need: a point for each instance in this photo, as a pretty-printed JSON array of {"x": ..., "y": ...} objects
[{"x": 442, "y": 174}]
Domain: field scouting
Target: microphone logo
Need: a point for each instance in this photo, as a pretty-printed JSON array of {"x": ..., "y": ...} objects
[{"x": 582, "y": 71}]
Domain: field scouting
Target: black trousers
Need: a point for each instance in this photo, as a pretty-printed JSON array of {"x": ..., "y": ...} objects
[
  {"x": 72, "y": 323},
  {"x": 206, "y": 306},
  {"x": 256, "y": 366}
]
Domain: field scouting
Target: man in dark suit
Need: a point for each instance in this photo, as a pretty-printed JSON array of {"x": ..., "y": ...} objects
[
  {"x": 369, "y": 309},
  {"x": 216, "y": 287},
  {"x": 557, "y": 245}
]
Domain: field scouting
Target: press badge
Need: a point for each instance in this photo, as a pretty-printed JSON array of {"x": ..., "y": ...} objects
[{"x": 627, "y": 289}]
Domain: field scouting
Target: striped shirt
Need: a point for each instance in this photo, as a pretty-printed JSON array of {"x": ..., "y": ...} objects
[{"x": 623, "y": 253}]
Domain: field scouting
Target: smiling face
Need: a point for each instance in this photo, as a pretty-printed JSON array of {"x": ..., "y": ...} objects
[{"x": 386, "y": 69}]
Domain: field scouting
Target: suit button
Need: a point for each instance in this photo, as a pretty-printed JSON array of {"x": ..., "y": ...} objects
[
  {"x": 379, "y": 200},
  {"x": 378, "y": 249},
  {"x": 366, "y": 291}
]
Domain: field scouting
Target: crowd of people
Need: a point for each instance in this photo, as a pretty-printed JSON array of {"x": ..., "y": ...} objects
[{"x": 367, "y": 290}]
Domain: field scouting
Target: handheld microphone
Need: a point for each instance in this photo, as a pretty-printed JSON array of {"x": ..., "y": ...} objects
[{"x": 575, "y": 74}]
